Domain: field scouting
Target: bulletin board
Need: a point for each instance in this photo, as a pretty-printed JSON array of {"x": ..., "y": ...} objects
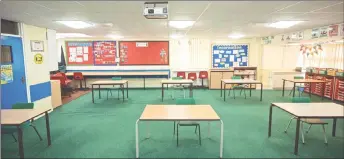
[
  {"x": 104, "y": 52},
  {"x": 144, "y": 53},
  {"x": 225, "y": 56},
  {"x": 79, "y": 52}
]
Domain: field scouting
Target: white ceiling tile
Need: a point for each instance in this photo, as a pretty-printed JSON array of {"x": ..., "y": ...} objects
[
  {"x": 307, "y": 6},
  {"x": 339, "y": 7}
]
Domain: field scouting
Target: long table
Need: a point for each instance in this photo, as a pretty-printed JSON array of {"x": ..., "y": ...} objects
[
  {"x": 138, "y": 73},
  {"x": 16, "y": 117},
  {"x": 224, "y": 82},
  {"x": 308, "y": 110},
  {"x": 178, "y": 113},
  {"x": 110, "y": 82},
  {"x": 310, "y": 81},
  {"x": 170, "y": 81}
]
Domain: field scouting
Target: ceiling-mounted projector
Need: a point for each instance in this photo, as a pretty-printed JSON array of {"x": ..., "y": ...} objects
[{"x": 156, "y": 10}]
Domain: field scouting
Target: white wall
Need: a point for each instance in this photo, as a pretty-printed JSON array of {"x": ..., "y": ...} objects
[{"x": 52, "y": 51}]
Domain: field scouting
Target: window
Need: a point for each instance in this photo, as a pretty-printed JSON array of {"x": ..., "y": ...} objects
[
  {"x": 9, "y": 27},
  {"x": 6, "y": 54}
]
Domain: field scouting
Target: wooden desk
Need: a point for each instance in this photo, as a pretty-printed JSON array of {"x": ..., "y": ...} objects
[
  {"x": 110, "y": 82},
  {"x": 138, "y": 73},
  {"x": 178, "y": 113},
  {"x": 224, "y": 82},
  {"x": 310, "y": 81},
  {"x": 309, "y": 110},
  {"x": 16, "y": 117},
  {"x": 170, "y": 81}
]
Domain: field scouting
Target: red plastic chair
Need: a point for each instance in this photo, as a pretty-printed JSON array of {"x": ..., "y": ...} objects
[
  {"x": 181, "y": 74},
  {"x": 79, "y": 77},
  {"x": 66, "y": 80},
  {"x": 64, "y": 85},
  {"x": 192, "y": 76},
  {"x": 203, "y": 75}
]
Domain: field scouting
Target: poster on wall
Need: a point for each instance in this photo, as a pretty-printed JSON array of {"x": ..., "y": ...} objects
[
  {"x": 333, "y": 30},
  {"x": 323, "y": 31},
  {"x": 315, "y": 33},
  {"x": 225, "y": 56},
  {"x": 342, "y": 30},
  {"x": 300, "y": 35},
  {"x": 6, "y": 74},
  {"x": 104, "y": 52},
  {"x": 144, "y": 52},
  {"x": 79, "y": 52}
]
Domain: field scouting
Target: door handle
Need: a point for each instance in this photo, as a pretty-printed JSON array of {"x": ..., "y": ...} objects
[{"x": 23, "y": 80}]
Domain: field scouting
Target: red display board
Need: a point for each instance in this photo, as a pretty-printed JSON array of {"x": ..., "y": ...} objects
[
  {"x": 79, "y": 52},
  {"x": 104, "y": 52},
  {"x": 144, "y": 52}
]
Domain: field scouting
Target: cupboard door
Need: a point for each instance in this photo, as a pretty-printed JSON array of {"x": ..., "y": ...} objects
[{"x": 215, "y": 80}]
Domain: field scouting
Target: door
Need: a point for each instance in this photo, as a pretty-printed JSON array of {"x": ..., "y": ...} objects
[{"x": 14, "y": 90}]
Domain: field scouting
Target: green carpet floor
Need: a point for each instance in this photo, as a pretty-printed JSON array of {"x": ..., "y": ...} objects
[{"x": 106, "y": 129}]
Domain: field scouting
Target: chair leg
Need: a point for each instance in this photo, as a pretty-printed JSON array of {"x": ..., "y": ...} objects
[
  {"x": 118, "y": 94},
  {"x": 15, "y": 140},
  {"x": 244, "y": 93},
  {"x": 323, "y": 127},
  {"x": 309, "y": 128},
  {"x": 34, "y": 127},
  {"x": 302, "y": 134},
  {"x": 199, "y": 135},
  {"x": 107, "y": 94},
  {"x": 240, "y": 91},
  {"x": 285, "y": 131},
  {"x": 174, "y": 128},
  {"x": 177, "y": 134},
  {"x": 291, "y": 91},
  {"x": 196, "y": 129},
  {"x": 234, "y": 93}
]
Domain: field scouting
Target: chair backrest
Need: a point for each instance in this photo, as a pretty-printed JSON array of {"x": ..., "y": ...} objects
[
  {"x": 78, "y": 76},
  {"x": 301, "y": 100},
  {"x": 185, "y": 101},
  {"x": 177, "y": 78},
  {"x": 23, "y": 106},
  {"x": 236, "y": 77},
  {"x": 181, "y": 74},
  {"x": 298, "y": 77},
  {"x": 192, "y": 76},
  {"x": 60, "y": 78},
  {"x": 203, "y": 74},
  {"x": 116, "y": 78}
]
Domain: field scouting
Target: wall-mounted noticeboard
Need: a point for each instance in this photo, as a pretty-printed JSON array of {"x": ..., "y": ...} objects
[
  {"x": 231, "y": 55},
  {"x": 104, "y": 52},
  {"x": 79, "y": 52}
]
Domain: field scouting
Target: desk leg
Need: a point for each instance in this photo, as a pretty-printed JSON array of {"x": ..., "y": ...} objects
[
  {"x": 221, "y": 140},
  {"x": 261, "y": 91},
  {"x": 221, "y": 89},
  {"x": 99, "y": 91},
  {"x": 20, "y": 142},
  {"x": 270, "y": 121},
  {"x": 122, "y": 91},
  {"x": 162, "y": 92},
  {"x": 296, "y": 148},
  {"x": 80, "y": 84},
  {"x": 323, "y": 91},
  {"x": 144, "y": 83},
  {"x": 85, "y": 82},
  {"x": 294, "y": 89},
  {"x": 310, "y": 90},
  {"x": 191, "y": 93},
  {"x": 92, "y": 94},
  {"x": 283, "y": 88},
  {"x": 127, "y": 89},
  {"x": 250, "y": 90},
  {"x": 208, "y": 129},
  {"x": 137, "y": 138},
  {"x": 334, "y": 127},
  {"x": 224, "y": 92},
  {"x": 48, "y": 127}
]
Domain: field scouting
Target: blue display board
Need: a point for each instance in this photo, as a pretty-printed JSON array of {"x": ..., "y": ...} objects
[{"x": 225, "y": 56}]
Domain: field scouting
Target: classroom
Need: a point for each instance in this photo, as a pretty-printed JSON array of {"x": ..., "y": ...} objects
[{"x": 172, "y": 79}]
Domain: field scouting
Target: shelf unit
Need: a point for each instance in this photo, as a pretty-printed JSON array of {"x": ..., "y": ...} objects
[
  {"x": 216, "y": 75},
  {"x": 246, "y": 73}
]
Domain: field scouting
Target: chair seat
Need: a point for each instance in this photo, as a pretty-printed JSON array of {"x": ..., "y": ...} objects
[
  {"x": 188, "y": 123},
  {"x": 238, "y": 87},
  {"x": 314, "y": 121}
]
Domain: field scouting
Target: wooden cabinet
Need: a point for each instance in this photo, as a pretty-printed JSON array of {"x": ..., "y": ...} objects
[
  {"x": 56, "y": 99},
  {"x": 216, "y": 75}
]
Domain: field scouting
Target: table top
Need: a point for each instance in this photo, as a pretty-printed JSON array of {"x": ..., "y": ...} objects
[
  {"x": 19, "y": 116},
  {"x": 109, "y": 82},
  {"x": 239, "y": 81},
  {"x": 119, "y": 73},
  {"x": 313, "y": 110},
  {"x": 304, "y": 80},
  {"x": 179, "y": 113},
  {"x": 182, "y": 81}
]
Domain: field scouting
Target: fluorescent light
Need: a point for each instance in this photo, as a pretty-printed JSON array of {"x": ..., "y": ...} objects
[
  {"x": 176, "y": 36},
  {"x": 114, "y": 36},
  {"x": 76, "y": 24},
  {"x": 235, "y": 36},
  {"x": 283, "y": 24},
  {"x": 71, "y": 35},
  {"x": 181, "y": 24}
]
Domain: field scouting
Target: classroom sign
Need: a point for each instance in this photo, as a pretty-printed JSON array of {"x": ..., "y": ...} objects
[
  {"x": 6, "y": 74},
  {"x": 104, "y": 52},
  {"x": 225, "y": 56}
]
